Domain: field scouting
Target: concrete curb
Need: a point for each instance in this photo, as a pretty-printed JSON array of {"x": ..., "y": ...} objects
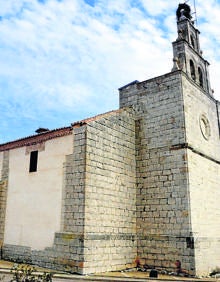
[{"x": 116, "y": 278}]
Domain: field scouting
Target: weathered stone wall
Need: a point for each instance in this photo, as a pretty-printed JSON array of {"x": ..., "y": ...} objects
[
  {"x": 204, "y": 175},
  {"x": 198, "y": 106},
  {"x": 163, "y": 215},
  {"x": 110, "y": 206},
  {"x": 218, "y": 114},
  {"x": 74, "y": 185},
  {"x": 70, "y": 241},
  {"x": 4, "y": 168},
  {"x": 1, "y": 163},
  {"x": 65, "y": 255}
]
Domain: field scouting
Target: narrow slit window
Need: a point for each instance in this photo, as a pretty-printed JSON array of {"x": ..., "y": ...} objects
[
  {"x": 192, "y": 70},
  {"x": 192, "y": 41},
  {"x": 200, "y": 77},
  {"x": 33, "y": 161}
]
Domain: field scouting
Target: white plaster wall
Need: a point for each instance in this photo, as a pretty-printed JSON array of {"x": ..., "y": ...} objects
[
  {"x": 204, "y": 174},
  {"x": 33, "y": 211},
  {"x": 1, "y": 163},
  {"x": 204, "y": 180}
]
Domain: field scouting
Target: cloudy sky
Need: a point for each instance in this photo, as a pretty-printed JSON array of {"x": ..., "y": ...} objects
[{"x": 63, "y": 60}]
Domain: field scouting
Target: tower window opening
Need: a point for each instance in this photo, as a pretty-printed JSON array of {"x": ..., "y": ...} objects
[
  {"x": 192, "y": 41},
  {"x": 192, "y": 70},
  {"x": 200, "y": 77}
]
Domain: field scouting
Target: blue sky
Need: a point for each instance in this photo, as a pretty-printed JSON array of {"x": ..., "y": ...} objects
[{"x": 63, "y": 60}]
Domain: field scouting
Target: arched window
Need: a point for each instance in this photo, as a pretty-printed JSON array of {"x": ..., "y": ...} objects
[
  {"x": 192, "y": 41},
  {"x": 192, "y": 70},
  {"x": 200, "y": 77}
]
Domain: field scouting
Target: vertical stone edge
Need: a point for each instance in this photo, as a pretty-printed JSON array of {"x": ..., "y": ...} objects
[
  {"x": 70, "y": 240},
  {"x": 3, "y": 196}
]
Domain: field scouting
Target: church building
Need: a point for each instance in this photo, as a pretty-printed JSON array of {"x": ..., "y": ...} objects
[{"x": 140, "y": 184}]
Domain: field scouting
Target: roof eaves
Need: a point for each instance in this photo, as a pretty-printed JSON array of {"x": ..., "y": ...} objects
[{"x": 37, "y": 138}]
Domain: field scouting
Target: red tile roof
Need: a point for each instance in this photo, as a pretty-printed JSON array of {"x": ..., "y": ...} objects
[{"x": 34, "y": 139}]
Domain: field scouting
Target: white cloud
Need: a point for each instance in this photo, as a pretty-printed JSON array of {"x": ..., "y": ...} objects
[
  {"x": 64, "y": 60},
  {"x": 159, "y": 7}
]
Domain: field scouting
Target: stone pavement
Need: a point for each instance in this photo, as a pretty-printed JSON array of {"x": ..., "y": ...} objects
[{"x": 127, "y": 276}]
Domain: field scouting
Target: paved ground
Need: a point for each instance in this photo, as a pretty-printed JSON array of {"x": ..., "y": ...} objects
[{"x": 134, "y": 276}]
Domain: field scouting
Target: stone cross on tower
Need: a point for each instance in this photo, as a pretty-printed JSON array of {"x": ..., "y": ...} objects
[{"x": 186, "y": 50}]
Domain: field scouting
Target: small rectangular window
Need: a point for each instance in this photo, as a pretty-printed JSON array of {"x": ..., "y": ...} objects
[{"x": 33, "y": 161}]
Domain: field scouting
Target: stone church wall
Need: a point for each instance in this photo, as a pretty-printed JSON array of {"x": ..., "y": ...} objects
[
  {"x": 139, "y": 185},
  {"x": 202, "y": 124},
  {"x": 4, "y": 163},
  {"x": 1, "y": 163},
  {"x": 110, "y": 205},
  {"x": 218, "y": 112},
  {"x": 128, "y": 186},
  {"x": 95, "y": 178},
  {"x": 163, "y": 216}
]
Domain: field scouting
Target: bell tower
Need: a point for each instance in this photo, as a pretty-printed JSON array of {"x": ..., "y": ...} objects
[
  {"x": 177, "y": 130},
  {"x": 186, "y": 50}
]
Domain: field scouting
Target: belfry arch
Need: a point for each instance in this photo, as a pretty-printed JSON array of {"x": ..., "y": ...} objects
[{"x": 192, "y": 70}]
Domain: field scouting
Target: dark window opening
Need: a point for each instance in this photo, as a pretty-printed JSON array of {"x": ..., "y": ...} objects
[
  {"x": 33, "y": 161},
  {"x": 200, "y": 77},
  {"x": 192, "y": 70},
  {"x": 190, "y": 242}
]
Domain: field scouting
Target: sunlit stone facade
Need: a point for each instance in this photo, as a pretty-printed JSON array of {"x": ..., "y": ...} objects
[{"x": 135, "y": 185}]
